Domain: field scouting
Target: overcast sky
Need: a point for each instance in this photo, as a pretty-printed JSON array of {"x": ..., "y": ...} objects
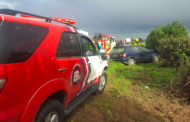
[{"x": 120, "y": 18}]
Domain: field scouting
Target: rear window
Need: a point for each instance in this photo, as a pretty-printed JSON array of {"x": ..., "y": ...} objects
[
  {"x": 19, "y": 41},
  {"x": 134, "y": 49},
  {"x": 117, "y": 50}
]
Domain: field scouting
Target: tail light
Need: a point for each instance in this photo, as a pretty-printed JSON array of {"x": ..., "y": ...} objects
[
  {"x": 123, "y": 55},
  {"x": 3, "y": 81}
]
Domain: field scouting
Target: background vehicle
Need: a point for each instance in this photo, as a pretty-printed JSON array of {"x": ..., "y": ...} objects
[
  {"x": 110, "y": 40},
  {"x": 128, "y": 40},
  {"x": 131, "y": 54},
  {"x": 83, "y": 32},
  {"x": 98, "y": 40},
  {"x": 47, "y": 69}
]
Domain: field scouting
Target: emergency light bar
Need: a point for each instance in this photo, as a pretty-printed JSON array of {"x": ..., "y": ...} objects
[
  {"x": 70, "y": 21},
  {"x": 64, "y": 20}
]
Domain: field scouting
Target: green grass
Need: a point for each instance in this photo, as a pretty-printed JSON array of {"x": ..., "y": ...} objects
[
  {"x": 150, "y": 74},
  {"x": 144, "y": 44}
]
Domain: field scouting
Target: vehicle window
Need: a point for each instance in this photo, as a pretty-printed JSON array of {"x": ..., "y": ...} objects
[
  {"x": 68, "y": 45},
  {"x": 112, "y": 40},
  {"x": 134, "y": 49},
  {"x": 88, "y": 47},
  {"x": 19, "y": 41},
  {"x": 127, "y": 49},
  {"x": 117, "y": 50},
  {"x": 143, "y": 48}
]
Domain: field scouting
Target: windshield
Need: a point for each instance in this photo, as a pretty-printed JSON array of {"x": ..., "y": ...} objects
[
  {"x": 103, "y": 38},
  {"x": 117, "y": 50},
  {"x": 112, "y": 40},
  {"x": 19, "y": 41}
]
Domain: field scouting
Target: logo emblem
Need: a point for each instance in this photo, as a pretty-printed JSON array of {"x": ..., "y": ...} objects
[{"x": 76, "y": 75}]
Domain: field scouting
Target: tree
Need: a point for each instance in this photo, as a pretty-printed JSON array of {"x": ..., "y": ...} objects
[
  {"x": 140, "y": 39},
  {"x": 174, "y": 30},
  {"x": 176, "y": 49}
]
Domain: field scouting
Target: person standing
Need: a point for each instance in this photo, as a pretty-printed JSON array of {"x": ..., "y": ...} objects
[
  {"x": 119, "y": 42},
  {"x": 100, "y": 46},
  {"x": 105, "y": 43},
  {"x": 136, "y": 41}
]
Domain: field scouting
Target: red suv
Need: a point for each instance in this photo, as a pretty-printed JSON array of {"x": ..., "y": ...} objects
[{"x": 46, "y": 69}]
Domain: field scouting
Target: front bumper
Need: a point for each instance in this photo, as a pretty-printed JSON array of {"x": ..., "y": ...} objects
[{"x": 122, "y": 60}]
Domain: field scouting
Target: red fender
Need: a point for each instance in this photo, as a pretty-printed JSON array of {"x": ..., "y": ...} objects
[{"x": 39, "y": 97}]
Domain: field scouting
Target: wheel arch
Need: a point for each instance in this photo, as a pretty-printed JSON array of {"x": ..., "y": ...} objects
[
  {"x": 133, "y": 58},
  {"x": 60, "y": 96},
  {"x": 51, "y": 89},
  {"x": 154, "y": 54},
  {"x": 105, "y": 68}
]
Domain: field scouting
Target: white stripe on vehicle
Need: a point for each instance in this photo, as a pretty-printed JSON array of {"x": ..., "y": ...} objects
[
  {"x": 86, "y": 75},
  {"x": 72, "y": 29}
]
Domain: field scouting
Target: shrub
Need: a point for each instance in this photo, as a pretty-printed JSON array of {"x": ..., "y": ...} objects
[
  {"x": 175, "y": 30},
  {"x": 172, "y": 49}
]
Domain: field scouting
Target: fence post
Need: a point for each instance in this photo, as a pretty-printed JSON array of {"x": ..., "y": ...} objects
[{"x": 181, "y": 66}]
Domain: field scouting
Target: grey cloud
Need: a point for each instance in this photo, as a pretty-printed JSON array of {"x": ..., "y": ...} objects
[{"x": 116, "y": 17}]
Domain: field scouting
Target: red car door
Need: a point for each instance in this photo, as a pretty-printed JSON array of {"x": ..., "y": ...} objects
[{"x": 70, "y": 66}]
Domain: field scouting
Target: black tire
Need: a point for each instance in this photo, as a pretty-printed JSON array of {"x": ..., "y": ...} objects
[
  {"x": 131, "y": 61},
  {"x": 50, "y": 106},
  {"x": 101, "y": 85},
  {"x": 155, "y": 58}
]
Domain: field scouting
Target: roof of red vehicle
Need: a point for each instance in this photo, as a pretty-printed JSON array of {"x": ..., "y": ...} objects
[
  {"x": 36, "y": 22},
  {"x": 107, "y": 35}
]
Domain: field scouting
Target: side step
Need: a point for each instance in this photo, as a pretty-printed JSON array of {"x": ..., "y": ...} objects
[{"x": 78, "y": 100}]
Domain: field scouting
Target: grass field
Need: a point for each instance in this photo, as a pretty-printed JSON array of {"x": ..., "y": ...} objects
[
  {"x": 138, "y": 93},
  {"x": 144, "y": 44}
]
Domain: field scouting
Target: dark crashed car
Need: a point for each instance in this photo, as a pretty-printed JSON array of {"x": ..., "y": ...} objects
[{"x": 132, "y": 54}]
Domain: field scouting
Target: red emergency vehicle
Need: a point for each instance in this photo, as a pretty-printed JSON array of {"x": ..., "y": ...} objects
[
  {"x": 46, "y": 69},
  {"x": 106, "y": 44}
]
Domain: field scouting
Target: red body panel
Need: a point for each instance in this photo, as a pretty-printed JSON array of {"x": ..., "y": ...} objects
[
  {"x": 66, "y": 76},
  {"x": 26, "y": 78},
  {"x": 39, "y": 97},
  {"x": 13, "y": 115}
]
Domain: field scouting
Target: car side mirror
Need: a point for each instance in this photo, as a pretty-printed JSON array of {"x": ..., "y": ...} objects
[{"x": 102, "y": 51}]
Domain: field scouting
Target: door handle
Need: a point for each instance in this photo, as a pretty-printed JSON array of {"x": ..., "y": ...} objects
[
  {"x": 88, "y": 63},
  {"x": 61, "y": 70}
]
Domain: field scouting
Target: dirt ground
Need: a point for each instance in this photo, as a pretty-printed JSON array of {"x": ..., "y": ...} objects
[{"x": 137, "y": 107}]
